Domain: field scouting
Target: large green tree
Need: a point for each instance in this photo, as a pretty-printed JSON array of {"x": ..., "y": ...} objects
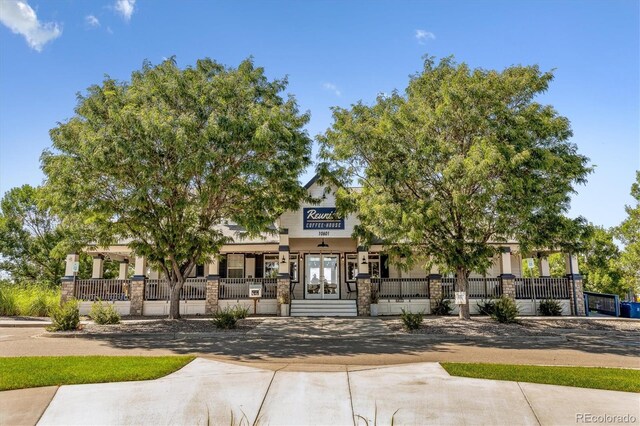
[
  {"x": 629, "y": 234},
  {"x": 599, "y": 262},
  {"x": 168, "y": 157},
  {"x": 464, "y": 160},
  {"x": 29, "y": 235}
]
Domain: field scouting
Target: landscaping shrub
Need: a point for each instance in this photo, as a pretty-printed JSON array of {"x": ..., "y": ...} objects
[
  {"x": 225, "y": 318},
  {"x": 550, "y": 308},
  {"x": 65, "y": 317},
  {"x": 486, "y": 307},
  {"x": 410, "y": 320},
  {"x": 32, "y": 299},
  {"x": 104, "y": 314},
  {"x": 505, "y": 310},
  {"x": 442, "y": 307},
  {"x": 240, "y": 312}
]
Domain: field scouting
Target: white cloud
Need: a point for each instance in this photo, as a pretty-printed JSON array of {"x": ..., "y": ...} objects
[
  {"x": 92, "y": 21},
  {"x": 422, "y": 36},
  {"x": 333, "y": 88},
  {"x": 125, "y": 8},
  {"x": 20, "y": 18}
]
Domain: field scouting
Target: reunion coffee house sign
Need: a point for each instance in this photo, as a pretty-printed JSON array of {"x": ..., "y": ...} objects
[{"x": 322, "y": 218}]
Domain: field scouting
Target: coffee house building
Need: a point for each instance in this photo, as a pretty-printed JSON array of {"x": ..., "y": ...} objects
[{"x": 313, "y": 266}]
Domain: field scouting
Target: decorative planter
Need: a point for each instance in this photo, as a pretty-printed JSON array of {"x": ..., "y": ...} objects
[
  {"x": 284, "y": 310},
  {"x": 374, "y": 309}
]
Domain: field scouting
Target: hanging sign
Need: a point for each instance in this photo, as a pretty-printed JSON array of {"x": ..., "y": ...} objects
[
  {"x": 321, "y": 218},
  {"x": 461, "y": 297},
  {"x": 76, "y": 266}
]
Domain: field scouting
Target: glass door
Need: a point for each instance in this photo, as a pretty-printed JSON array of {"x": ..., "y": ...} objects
[{"x": 322, "y": 276}]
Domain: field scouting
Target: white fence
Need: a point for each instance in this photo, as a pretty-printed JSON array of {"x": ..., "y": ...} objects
[
  {"x": 238, "y": 288},
  {"x": 101, "y": 289}
]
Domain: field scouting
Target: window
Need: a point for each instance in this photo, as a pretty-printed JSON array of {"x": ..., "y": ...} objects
[
  {"x": 235, "y": 266},
  {"x": 293, "y": 267},
  {"x": 271, "y": 266},
  {"x": 352, "y": 267},
  {"x": 374, "y": 265}
]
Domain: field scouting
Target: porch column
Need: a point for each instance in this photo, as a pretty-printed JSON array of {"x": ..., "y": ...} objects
[
  {"x": 363, "y": 283},
  {"x": 213, "y": 287},
  {"x": 98, "y": 267},
  {"x": 124, "y": 269},
  {"x": 507, "y": 279},
  {"x": 575, "y": 285},
  {"x": 69, "y": 279},
  {"x": 136, "y": 295},
  {"x": 284, "y": 280},
  {"x": 543, "y": 266}
]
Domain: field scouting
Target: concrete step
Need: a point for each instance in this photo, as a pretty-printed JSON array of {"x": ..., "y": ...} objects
[{"x": 324, "y": 308}]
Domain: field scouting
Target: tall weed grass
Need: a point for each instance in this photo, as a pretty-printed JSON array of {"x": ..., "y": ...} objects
[{"x": 32, "y": 299}]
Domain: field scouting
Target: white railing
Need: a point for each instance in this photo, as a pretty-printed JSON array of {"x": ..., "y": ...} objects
[
  {"x": 101, "y": 289},
  {"x": 479, "y": 288},
  {"x": 238, "y": 288},
  {"x": 542, "y": 288},
  {"x": 401, "y": 288},
  {"x": 158, "y": 289}
]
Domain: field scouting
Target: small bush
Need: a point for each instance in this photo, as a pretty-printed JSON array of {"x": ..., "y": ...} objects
[
  {"x": 410, "y": 320},
  {"x": 225, "y": 319},
  {"x": 486, "y": 307},
  {"x": 550, "y": 308},
  {"x": 104, "y": 314},
  {"x": 505, "y": 310},
  {"x": 375, "y": 298},
  {"x": 66, "y": 317},
  {"x": 442, "y": 307},
  {"x": 8, "y": 305},
  {"x": 240, "y": 312}
]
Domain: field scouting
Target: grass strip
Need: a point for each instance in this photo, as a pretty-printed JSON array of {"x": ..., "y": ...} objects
[
  {"x": 29, "y": 372},
  {"x": 619, "y": 379}
]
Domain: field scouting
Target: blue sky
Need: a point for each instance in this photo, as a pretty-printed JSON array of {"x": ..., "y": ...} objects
[{"x": 334, "y": 53}]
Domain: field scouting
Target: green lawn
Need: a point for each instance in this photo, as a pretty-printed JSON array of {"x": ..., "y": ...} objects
[
  {"x": 619, "y": 379},
  {"x": 29, "y": 372}
]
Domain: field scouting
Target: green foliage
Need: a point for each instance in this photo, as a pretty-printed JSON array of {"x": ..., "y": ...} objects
[
  {"x": 486, "y": 307},
  {"x": 629, "y": 234},
  {"x": 168, "y": 157},
  {"x": 465, "y": 158},
  {"x": 229, "y": 316},
  {"x": 557, "y": 266},
  {"x": 619, "y": 379},
  {"x": 550, "y": 308},
  {"x": 411, "y": 321},
  {"x": 505, "y": 310},
  {"x": 36, "y": 371},
  {"x": 442, "y": 306},
  {"x": 65, "y": 317},
  {"x": 104, "y": 313},
  {"x": 36, "y": 299}
]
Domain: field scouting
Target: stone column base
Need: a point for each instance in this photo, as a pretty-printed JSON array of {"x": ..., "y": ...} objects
[
  {"x": 508, "y": 284},
  {"x": 364, "y": 295},
  {"x": 212, "y": 294},
  {"x": 68, "y": 288},
  {"x": 579, "y": 295},
  {"x": 283, "y": 293},
  {"x": 435, "y": 289},
  {"x": 136, "y": 295}
]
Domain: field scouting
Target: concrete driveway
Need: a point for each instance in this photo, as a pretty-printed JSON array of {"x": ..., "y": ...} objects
[{"x": 213, "y": 392}]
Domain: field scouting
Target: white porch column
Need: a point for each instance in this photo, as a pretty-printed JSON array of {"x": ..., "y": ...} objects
[
  {"x": 543, "y": 266},
  {"x": 363, "y": 283},
  {"x": 283, "y": 289},
  {"x": 124, "y": 270},
  {"x": 98, "y": 266},
  {"x": 214, "y": 266},
  {"x": 283, "y": 251},
  {"x": 571, "y": 264},
  {"x": 505, "y": 261},
  {"x": 70, "y": 262},
  {"x": 140, "y": 269}
]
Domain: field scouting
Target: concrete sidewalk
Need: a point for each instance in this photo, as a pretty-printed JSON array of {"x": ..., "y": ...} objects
[{"x": 212, "y": 392}]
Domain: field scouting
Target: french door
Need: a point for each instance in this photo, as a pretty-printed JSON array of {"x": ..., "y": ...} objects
[{"x": 322, "y": 276}]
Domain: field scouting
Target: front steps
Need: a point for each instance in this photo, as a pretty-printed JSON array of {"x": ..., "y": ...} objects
[{"x": 324, "y": 308}]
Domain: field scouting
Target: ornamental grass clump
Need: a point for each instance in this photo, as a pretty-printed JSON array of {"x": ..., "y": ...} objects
[
  {"x": 104, "y": 313},
  {"x": 442, "y": 306},
  {"x": 411, "y": 321},
  {"x": 228, "y": 317},
  {"x": 33, "y": 299},
  {"x": 550, "y": 308},
  {"x": 505, "y": 310},
  {"x": 65, "y": 317},
  {"x": 486, "y": 307}
]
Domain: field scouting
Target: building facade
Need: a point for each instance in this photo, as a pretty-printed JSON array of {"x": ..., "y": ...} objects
[{"x": 314, "y": 267}]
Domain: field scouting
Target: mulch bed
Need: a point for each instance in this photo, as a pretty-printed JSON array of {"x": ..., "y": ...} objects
[{"x": 161, "y": 325}]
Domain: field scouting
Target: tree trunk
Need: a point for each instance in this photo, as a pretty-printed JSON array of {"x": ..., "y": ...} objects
[
  {"x": 174, "y": 299},
  {"x": 462, "y": 284}
]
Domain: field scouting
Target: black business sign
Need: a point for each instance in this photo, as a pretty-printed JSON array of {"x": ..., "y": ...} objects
[{"x": 322, "y": 218}]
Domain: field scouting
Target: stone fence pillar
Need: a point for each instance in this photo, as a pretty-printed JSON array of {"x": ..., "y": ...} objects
[
  {"x": 212, "y": 295},
  {"x": 508, "y": 284},
  {"x": 364, "y": 295},
  {"x": 68, "y": 287},
  {"x": 435, "y": 289},
  {"x": 576, "y": 295},
  {"x": 283, "y": 293},
  {"x": 136, "y": 295}
]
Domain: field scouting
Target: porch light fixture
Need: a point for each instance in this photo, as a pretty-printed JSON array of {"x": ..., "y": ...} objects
[
  {"x": 364, "y": 261},
  {"x": 323, "y": 244},
  {"x": 283, "y": 260}
]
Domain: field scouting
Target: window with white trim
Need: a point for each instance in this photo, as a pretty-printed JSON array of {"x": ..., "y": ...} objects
[
  {"x": 271, "y": 266},
  {"x": 293, "y": 267},
  {"x": 235, "y": 266},
  {"x": 352, "y": 266}
]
